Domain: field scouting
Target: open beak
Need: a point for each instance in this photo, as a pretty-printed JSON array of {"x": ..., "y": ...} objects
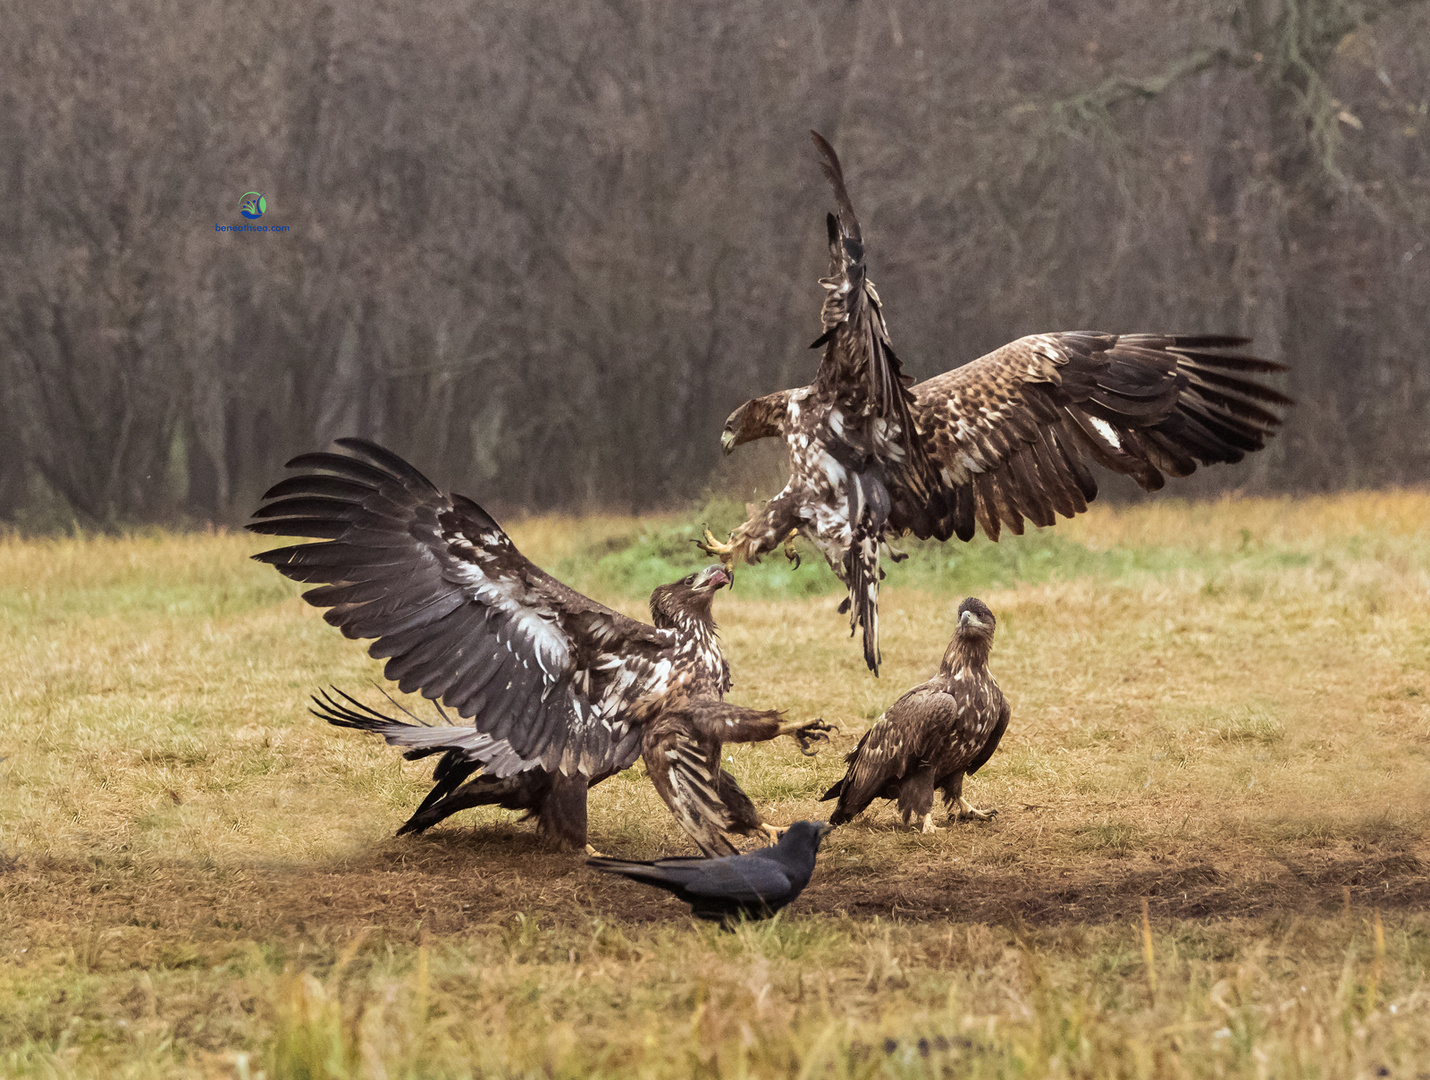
[
  {"x": 714, "y": 577},
  {"x": 727, "y": 441}
]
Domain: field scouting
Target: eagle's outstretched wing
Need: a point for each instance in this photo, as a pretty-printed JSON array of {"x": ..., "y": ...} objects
[
  {"x": 858, "y": 366},
  {"x": 543, "y": 672},
  {"x": 1012, "y": 432}
]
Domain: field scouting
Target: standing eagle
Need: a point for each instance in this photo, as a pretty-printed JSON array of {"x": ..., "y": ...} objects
[
  {"x": 933, "y": 736},
  {"x": 1000, "y": 439},
  {"x": 561, "y": 692}
]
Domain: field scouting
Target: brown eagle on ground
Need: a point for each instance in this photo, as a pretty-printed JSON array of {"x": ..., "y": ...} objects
[
  {"x": 560, "y": 692},
  {"x": 933, "y": 736},
  {"x": 1006, "y": 437}
]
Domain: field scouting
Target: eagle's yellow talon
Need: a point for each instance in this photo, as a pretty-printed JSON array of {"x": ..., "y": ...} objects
[
  {"x": 774, "y": 832},
  {"x": 723, "y": 551},
  {"x": 790, "y": 553}
]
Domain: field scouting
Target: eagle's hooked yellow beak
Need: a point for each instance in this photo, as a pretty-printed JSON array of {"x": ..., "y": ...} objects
[{"x": 713, "y": 577}]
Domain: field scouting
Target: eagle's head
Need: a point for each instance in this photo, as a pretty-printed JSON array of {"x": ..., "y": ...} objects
[
  {"x": 973, "y": 640},
  {"x": 975, "y": 620},
  {"x": 758, "y": 418},
  {"x": 674, "y": 604}
]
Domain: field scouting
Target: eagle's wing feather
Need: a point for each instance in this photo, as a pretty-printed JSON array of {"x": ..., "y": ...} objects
[
  {"x": 681, "y": 749},
  {"x": 858, "y": 366},
  {"x": 687, "y": 780},
  {"x": 995, "y": 736},
  {"x": 887, "y": 749},
  {"x": 460, "y": 614},
  {"x": 1010, "y": 435}
]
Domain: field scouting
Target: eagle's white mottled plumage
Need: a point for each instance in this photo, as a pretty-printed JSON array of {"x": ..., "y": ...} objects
[
  {"x": 1004, "y": 438},
  {"x": 551, "y": 681}
]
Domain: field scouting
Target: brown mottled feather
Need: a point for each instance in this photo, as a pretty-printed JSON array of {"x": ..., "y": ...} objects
[{"x": 1140, "y": 404}]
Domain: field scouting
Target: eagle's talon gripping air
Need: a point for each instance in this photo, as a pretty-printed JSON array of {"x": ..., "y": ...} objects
[
  {"x": 1004, "y": 438},
  {"x": 725, "y": 552},
  {"x": 791, "y": 552},
  {"x": 558, "y": 692}
]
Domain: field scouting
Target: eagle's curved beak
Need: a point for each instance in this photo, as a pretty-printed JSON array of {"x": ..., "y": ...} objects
[
  {"x": 714, "y": 577},
  {"x": 967, "y": 618},
  {"x": 727, "y": 441}
]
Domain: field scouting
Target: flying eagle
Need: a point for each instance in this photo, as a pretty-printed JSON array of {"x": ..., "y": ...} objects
[
  {"x": 933, "y": 736},
  {"x": 1006, "y": 437},
  {"x": 552, "y": 683}
]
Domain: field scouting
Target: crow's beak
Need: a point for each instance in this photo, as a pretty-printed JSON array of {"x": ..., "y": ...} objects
[
  {"x": 825, "y": 829},
  {"x": 727, "y": 441}
]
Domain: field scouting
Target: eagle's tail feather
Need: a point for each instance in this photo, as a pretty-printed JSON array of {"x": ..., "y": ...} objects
[{"x": 868, "y": 513}]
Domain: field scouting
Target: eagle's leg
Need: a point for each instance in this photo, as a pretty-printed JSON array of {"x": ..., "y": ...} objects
[
  {"x": 928, "y": 825},
  {"x": 765, "y": 530},
  {"x": 774, "y": 832},
  {"x": 591, "y": 851},
  {"x": 806, "y": 733},
  {"x": 966, "y": 809}
]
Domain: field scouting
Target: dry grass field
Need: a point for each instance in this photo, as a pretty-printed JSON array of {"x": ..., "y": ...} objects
[{"x": 1221, "y": 718}]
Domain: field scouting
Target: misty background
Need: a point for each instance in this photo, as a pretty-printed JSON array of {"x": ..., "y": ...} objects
[{"x": 543, "y": 248}]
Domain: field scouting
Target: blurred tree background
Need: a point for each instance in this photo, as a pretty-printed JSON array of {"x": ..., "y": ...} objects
[{"x": 544, "y": 247}]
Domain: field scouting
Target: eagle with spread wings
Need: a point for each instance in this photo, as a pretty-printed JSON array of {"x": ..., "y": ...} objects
[
  {"x": 1004, "y": 438},
  {"x": 559, "y": 691}
]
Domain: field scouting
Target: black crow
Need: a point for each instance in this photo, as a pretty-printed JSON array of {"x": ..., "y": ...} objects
[{"x": 755, "y": 885}]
